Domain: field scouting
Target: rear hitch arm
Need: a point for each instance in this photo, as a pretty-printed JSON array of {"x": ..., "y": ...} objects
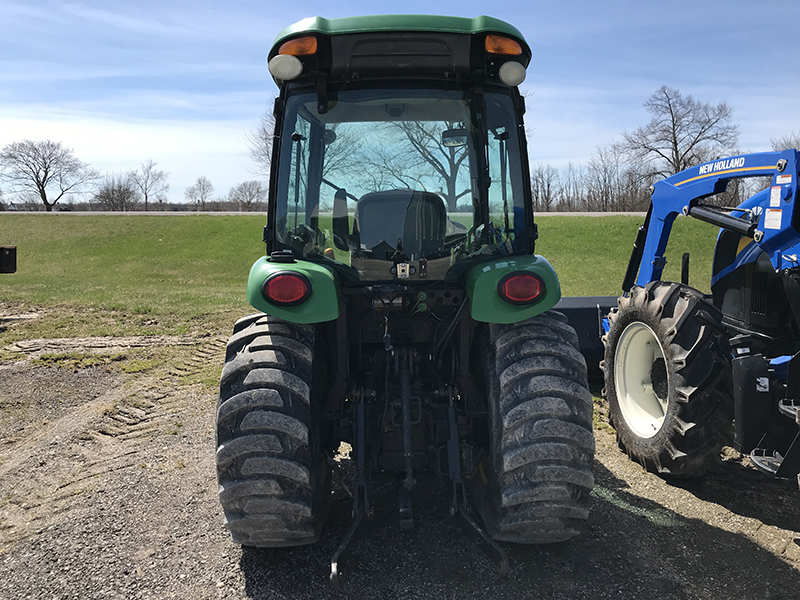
[
  {"x": 458, "y": 505},
  {"x": 360, "y": 499}
]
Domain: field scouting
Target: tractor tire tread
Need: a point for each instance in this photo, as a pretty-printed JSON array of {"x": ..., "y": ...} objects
[
  {"x": 273, "y": 479},
  {"x": 537, "y": 487},
  {"x": 690, "y": 331}
]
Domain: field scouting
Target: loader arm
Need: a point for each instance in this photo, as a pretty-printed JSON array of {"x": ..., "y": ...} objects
[{"x": 769, "y": 220}]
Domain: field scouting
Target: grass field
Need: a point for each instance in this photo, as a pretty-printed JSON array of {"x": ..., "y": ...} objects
[
  {"x": 172, "y": 274},
  {"x": 590, "y": 254}
]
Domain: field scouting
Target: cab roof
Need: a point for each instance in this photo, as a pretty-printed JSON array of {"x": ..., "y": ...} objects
[{"x": 392, "y": 23}]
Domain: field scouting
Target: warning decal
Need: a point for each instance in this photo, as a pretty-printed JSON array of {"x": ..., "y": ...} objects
[
  {"x": 772, "y": 218},
  {"x": 775, "y": 195}
]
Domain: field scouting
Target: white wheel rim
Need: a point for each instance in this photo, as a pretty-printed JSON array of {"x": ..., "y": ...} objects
[{"x": 638, "y": 350}]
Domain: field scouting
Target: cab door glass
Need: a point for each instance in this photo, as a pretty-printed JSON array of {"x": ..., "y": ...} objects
[{"x": 294, "y": 183}]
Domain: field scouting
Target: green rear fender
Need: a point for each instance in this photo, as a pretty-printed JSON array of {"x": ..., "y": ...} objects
[
  {"x": 321, "y": 305},
  {"x": 487, "y": 305}
]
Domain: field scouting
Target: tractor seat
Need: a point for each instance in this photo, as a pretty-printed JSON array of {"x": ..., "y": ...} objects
[{"x": 418, "y": 219}]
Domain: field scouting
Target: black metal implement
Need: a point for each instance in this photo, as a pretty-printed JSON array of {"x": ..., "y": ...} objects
[
  {"x": 337, "y": 556},
  {"x": 360, "y": 499},
  {"x": 636, "y": 253},
  {"x": 487, "y": 544},
  {"x": 720, "y": 219},
  {"x": 405, "y": 399},
  {"x": 459, "y": 498},
  {"x": 8, "y": 259},
  {"x": 458, "y": 506}
]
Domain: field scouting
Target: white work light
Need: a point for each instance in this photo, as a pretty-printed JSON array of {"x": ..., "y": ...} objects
[
  {"x": 512, "y": 73},
  {"x": 285, "y": 67}
]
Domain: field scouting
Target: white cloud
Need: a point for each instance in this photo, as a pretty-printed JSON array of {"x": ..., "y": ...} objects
[
  {"x": 156, "y": 23},
  {"x": 185, "y": 149},
  {"x": 182, "y": 82}
]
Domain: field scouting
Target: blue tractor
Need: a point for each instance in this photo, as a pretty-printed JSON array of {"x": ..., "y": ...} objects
[{"x": 687, "y": 372}]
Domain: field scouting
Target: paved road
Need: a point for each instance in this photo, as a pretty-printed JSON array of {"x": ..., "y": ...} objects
[{"x": 231, "y": 214}]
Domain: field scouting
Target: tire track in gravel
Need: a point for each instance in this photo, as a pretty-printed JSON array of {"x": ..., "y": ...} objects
[
  {"x": 212, "y": 351},
  {"x": 99, "y": 345},
  {"x": 116, "y": 515},
  {"x": 45, "y": 468},
  {"x": 34, "y": 438}
]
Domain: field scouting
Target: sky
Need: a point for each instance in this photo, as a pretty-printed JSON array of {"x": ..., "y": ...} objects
[{"x": 184, "y": 82}]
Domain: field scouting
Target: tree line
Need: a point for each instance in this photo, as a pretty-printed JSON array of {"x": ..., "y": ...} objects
[
  {"x": 682, "y": 132},
  {"x": 45, "y": 174}
]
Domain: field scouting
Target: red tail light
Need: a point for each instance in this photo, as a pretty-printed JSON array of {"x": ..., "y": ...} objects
[
  {"x": 520, "y": 288},
  {"x": 286, "y": 289}
]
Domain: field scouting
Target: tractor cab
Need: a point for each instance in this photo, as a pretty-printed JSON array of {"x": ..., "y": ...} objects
[{"x": 404, "y": 153}]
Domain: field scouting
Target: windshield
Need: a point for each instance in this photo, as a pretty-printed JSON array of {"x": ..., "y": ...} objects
[{"x": 395, "y": 177}]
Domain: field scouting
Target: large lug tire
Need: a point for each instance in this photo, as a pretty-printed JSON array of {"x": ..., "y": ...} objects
[
  {"x": 274, "y": 479},
  {"x": 534, "y": 487},
  {"x": 668, "y": 378}
]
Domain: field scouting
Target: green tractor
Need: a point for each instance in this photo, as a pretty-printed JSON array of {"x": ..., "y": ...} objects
[{"x": 403, "y": 309}]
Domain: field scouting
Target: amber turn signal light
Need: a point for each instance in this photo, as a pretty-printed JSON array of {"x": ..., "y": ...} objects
[
  {"x": 302, "y": 46},
  {"x": 499, "y": 44}
]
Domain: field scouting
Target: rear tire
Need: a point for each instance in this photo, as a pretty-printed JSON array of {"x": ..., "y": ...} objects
[
  {"x": 274, "y": 480},
  {"x": 534, "y": 487},
  {"x": 668, "y": 378}
]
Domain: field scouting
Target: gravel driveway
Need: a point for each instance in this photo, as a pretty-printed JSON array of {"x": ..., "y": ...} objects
[{"x": 107, "y": 490}]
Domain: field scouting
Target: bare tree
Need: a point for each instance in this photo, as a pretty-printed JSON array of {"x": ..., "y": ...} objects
[
  {"x": 603, "y": 179},
  {"x": 573, "y": 192},
  {"x": 545, "y": 187},
  {"x": 410, "y": 154},
  {"x": 445, "y": 161},
  {"x": 260, "y": 142},
  {"x": 151, "y": 183},
  {"x": 27, "y": 201},
  {"x": 200, "y": 193},
  {"x": 45, "y": 168},
  {"x": 636, "y": 188},
  {"x": 785, "y": 142},
  {"x": 682, "y": 132},
  {"x": 248, "y": 195},
  {"x": 116, "y": 192},
  {"x": 340, "y": 147}
]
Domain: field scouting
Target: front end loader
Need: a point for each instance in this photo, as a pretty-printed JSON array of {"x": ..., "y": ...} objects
[{"x": 686, "y": 372}]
